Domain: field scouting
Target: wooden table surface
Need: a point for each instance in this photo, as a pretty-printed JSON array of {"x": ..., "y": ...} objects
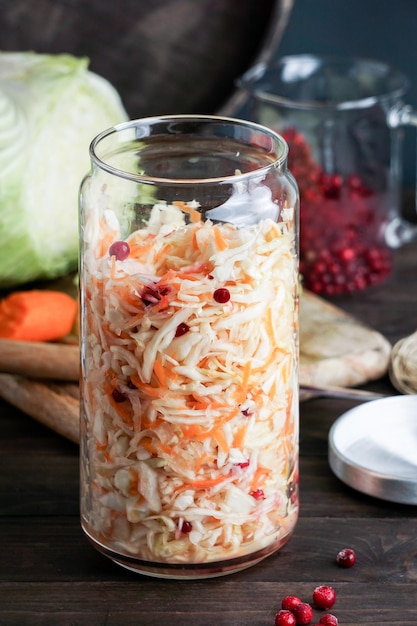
[{"x": 49, "y": 574}]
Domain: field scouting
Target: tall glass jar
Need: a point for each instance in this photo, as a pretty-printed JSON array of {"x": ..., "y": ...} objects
[{"x": 189, "y": 345}]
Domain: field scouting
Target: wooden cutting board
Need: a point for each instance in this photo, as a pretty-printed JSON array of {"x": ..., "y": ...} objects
[{"x": 335, "y": 350}]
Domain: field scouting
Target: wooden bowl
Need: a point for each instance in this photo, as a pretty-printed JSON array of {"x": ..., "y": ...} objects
[{"x": 163, "y": 56}]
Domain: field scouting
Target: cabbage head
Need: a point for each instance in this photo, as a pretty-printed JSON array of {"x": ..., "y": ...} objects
[{"x": 51, "y": 107}]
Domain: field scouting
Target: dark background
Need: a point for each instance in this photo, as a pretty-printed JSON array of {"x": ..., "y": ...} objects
[
  {"x": 183, "y": 56},
  {"x": 380, "y": 29}
]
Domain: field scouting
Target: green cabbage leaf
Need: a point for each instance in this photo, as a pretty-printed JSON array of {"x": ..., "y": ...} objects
[{"x": 51, "y": 107}]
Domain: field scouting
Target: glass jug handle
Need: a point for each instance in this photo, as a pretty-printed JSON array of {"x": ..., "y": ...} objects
[{"x": 400, "y": 231}]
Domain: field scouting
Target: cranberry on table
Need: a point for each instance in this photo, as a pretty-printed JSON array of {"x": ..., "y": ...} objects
[
  {"x": 324, "y": 596},
  {"x": 329, "y": 620},
  {"x": 285, "y": 618},
  {"x": 346, "y": 558},
  {"x": 119, "y": 249},
  {"x": 289, "y": 602},
  {"x": 303, "y": 613}
]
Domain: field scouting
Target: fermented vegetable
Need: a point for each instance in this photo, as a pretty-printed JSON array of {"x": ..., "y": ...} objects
[{"x": 189, "y": 394}]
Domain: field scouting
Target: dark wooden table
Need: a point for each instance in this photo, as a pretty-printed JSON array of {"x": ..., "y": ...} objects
[{"x": 51, "y": 575}]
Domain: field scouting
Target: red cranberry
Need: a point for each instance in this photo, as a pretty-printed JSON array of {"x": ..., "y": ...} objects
[
  {"x": 285, "y": 618},
  {"x": 244, "y": 464},
  {"x": 186, "y": 527},
  {"x": 258, "y": 494},
  {"x": 118, "y": 395},
  {"x": 289, "y": 602},
  {"x": 182, "y": 329},
  {"x": 331, "y": 185},
  {"x": 324, "y": 597},
  {"x": 221, "y": 295},
  {"x": 120, "y": 249},
  {"x": 349, "y": 225},
  {"x": 303, "y": 613},
  {"x": 329, "y": 620},
  {"x": 347, "y": 254},
  {"x": 152, "y": 294},
  {"x": 346, "y": 558}
]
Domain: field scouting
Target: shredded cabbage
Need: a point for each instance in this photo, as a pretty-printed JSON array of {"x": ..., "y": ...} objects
[
  {"x": 190, "y": 404},
  {"x": 51, "y": 107}
]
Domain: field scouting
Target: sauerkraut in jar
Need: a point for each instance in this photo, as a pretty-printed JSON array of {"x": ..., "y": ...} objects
[{"x": 189, "y": 343}]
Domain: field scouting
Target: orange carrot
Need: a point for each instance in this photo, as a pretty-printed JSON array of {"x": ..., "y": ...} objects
[
  {"x": 153, "y": 392},
  {"x": 259, "y": 477},
  {"x": 242, "y": 389},
  {"x": 37, "y": 315},
  {"x": 219, "y": 239},
  {"x": 123, "y": 409},
  {"x": 207, "y": 483},
  {"x": 195, "y": 216},
  {"x": 239, "y": 437},
  {"x": 163, "y": 373},
  {"x": 159, "y": 370},
  {"x": 220, "y": 439}
]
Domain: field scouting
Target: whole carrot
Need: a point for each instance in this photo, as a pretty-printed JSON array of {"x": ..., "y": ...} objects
[{"x": 37, "y": 315}]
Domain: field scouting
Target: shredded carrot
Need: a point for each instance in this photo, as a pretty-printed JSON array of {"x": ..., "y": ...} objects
[
  {"x": 37, "y": 315},
  {"x": 159, "y": 370},
  {"x": 202, "y": 401},
  {"x": 105, "y": 243},
  {"x": 140, "y": 248},
  {"x": 199, "y": 462},
  {"x": 193, "y": 431},
  {"x": 219, "y": 239},
  {"x": 260, "y": 476},
  {"x": 207, "y": 483},
  {"x": 220, "y": 439},
  {"x": 195, "y": 216},
  {"x": 239, "y": 437},
  {"x": 153, "y": 392},
  {"x": 167, "y": 449},
  {"x": 163, "y": 251},
  {"x": 123, "y": 409},
  {"x": 242, "y": 390},
  {"x": 148, "y": 444}
]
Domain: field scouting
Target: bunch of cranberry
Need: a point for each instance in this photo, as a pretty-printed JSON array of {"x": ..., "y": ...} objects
[
  {"x": 295, "y": 612},
  {"x": 341, "y": 226}
]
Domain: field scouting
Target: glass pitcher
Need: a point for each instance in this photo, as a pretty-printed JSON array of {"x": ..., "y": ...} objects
[
  {"x": 342, "y": 120},
  {"x": 189, "y": 289}
]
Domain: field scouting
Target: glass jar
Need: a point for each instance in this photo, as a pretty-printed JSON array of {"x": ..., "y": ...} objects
[{"x": 189, "y": 345}]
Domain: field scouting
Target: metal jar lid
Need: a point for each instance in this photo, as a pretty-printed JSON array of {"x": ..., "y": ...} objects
[{"x": 373, "y": 448}]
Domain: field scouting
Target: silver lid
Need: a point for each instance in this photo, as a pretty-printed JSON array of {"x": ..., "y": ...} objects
[{"x": 373, "y": 448}]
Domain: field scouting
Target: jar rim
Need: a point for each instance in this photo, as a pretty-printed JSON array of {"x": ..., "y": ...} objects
[
  {"x": 141, "y": 126},
  {"x": 272, "y": 83}
]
